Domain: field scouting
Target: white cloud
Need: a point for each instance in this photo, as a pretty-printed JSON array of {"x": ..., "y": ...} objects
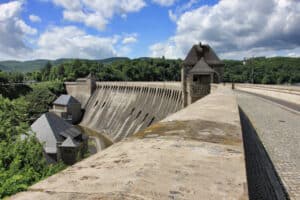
[
  {"x": 72, "y": 42},
  {"x": 130, "y": 39},
  {"x": 55, "y": 42},
  {"x": 164, "y": 2},
  {"x": 97, "y": 13},
  {"x": 34, "y": 18},
  {"x": 24, "y": 27},
  {"x": 13, "y": 30},
  {"x": 172, "y": 16},
  {"x": 236, "y": 26},
  {"x": 167, "y": 49}
]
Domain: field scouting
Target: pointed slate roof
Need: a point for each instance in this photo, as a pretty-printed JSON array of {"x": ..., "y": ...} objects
[
  {"x": 202, "y": 68},
  {"x": 193, "y": 55},
  {"x": 202, "y": 51},
  {"x": 65, "y": 99},
  {"x": 50, "y": 129},
  {"x": 211, "y": 57},
  {"x": 69, "y": 142}
]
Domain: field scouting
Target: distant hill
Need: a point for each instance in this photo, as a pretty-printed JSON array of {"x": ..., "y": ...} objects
[
  {"x": 25, "y": 66},
  {"x": 110, "y": 60},
  {"x": 33, "y": 65}
]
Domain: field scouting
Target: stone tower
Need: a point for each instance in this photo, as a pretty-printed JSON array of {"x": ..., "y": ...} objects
[
  {"x": 91, "y": 83},
  {"x": 200, "y": 68}
]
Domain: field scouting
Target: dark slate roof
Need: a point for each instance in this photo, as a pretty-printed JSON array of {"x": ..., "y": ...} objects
[
  {"x": 211, "y": 57},
  {"x": 70, "y": 142},
  {"x": 193, "y": 55},
  {"x": 65, "y": 99},
  {"x": 202, "y": 51},
  {"x": 202, "y": 68},
  {"x": 50, "y": 129}
]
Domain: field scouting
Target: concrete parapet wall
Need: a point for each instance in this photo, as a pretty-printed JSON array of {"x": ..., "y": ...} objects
[
  {"x": 119, "y": 109},
  {"x": 263, "y": 180},
  {"x": 196, "y": 153},
  {"x": 283, "y": 88},
  {"x": 286, "y": 93}
]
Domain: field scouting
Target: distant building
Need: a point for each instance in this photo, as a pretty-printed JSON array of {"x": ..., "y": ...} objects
[
  {"x": 61, "y": 140},
  {"x": 68, "y": 108},
  {"x": 200, "y": 68}
]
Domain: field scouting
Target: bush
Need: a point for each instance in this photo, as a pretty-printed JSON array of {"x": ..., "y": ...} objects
[
  {"x": 41, "y": 97},
  {"x": 22, "y": 162}
]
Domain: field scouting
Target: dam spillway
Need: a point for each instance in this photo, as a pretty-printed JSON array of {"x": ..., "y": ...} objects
[{"x": 119, "y": 109}]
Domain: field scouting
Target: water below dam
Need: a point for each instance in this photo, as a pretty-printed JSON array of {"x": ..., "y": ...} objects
[{"x": 96, "y": 142}]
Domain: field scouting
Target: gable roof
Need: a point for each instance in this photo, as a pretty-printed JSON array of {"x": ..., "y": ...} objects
[
  {"x": 50, "y": 129},
  {"x": 70, "y": 142},
  {"x": 65, "y": 99},
  {"x": 210, "y": 56},
  {"x": 202, "y": 51},
  {"x": 202, "y": 68},
  {"x": 193, "y": 55}
]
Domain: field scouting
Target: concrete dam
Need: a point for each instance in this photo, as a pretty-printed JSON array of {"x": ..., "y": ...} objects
[
  {"x": 119, "y": 109},
  {"x": 188, "y": 140}
]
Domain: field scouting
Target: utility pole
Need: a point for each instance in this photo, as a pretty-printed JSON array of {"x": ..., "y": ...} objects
[
  {"x": 252, "y": 73},
  {"x": 252, "y": 69}
]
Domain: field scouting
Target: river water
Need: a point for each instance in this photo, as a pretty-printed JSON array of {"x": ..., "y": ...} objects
[{"x": 96, "y": 142}]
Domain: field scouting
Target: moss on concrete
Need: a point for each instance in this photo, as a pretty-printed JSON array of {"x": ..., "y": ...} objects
[{"x": 200, "y": 130}]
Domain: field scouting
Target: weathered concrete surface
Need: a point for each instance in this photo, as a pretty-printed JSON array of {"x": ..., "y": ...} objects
[
  {"x": 278, "y": 129},
  {"x": 119, "y": 109},
  {"x": 196, "y": 153},
  {"x": 286, "y": 93}
]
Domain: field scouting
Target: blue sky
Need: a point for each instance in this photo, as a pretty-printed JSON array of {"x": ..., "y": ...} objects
[{"x": 96, "y": 29}]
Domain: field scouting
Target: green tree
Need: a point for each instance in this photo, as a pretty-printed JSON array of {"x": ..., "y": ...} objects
[
  {"x": 46, "y": 71},
  {"x": 22, "y": 162}
]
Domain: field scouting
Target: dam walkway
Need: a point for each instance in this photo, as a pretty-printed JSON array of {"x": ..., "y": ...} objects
[{"x": 279, "y": 131}]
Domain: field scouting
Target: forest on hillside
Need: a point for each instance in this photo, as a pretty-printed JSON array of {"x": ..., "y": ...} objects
[{"x": 277, "y": 70}]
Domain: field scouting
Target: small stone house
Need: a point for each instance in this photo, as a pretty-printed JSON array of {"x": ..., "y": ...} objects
[
  {"x": 209, "y": 56},
  {"x": 198, "y": 81},
  {"x": 60, "y": 139},
  {"x": 68, "y": 108},
  {"x": 200, "y": 68}
]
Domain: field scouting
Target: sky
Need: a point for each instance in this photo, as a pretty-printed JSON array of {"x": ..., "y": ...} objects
[{"x": 97, "y": 29}]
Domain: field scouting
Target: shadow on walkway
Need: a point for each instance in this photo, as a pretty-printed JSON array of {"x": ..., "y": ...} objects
[{"x": 263, "y": 180}]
